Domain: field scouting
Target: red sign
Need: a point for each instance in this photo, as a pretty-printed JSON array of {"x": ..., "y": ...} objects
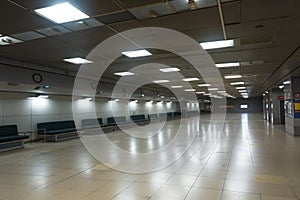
[
  {"x": 297, "y": 95},
  {"x": 280, "y": 97}
]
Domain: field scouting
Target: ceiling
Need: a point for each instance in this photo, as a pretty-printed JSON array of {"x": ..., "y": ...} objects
[{"x": 267, "y": 33}]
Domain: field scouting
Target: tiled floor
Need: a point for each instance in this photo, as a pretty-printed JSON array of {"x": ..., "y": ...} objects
[{"x": 251, "y": 160}]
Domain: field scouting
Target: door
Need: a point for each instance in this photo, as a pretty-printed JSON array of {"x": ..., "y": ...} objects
[{"x": 282, "y": 112}]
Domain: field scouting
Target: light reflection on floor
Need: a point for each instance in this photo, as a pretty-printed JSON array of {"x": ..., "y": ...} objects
[{"x": 251, "y": 160}]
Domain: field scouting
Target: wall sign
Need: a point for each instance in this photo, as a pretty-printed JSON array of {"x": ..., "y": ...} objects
[{"x": 280, "y": 97}]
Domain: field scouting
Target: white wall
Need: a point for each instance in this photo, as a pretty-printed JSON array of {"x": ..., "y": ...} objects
[{"x": 16, "y": 108}]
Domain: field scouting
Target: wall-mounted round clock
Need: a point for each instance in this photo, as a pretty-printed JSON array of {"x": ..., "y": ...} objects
[{"x": 37, "y": 78}]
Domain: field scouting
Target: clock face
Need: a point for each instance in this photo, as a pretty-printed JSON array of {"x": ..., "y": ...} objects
[{"x": 37, "y": 78}]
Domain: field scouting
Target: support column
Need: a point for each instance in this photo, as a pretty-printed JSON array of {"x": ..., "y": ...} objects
[{"x": 292, "y": 106}]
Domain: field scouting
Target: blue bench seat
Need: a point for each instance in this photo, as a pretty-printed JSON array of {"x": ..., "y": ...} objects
[
  {"x": 10, "y": 138},
  {"x": 53, "y": 131}
]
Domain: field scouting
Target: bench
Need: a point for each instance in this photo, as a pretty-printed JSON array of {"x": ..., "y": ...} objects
[
  {"x": 192, "y": 113},
  {"x": 139, "y": 119},
  {"x": 162, "y": 115},
  {"x": 97, "y": 123},
  {"x": 10, "y": 138},
  {"x": 58, "y": 130},
  {"x": 177, "y": 114},
  {"x": 119, "y": 122},
  {"x": 115, "y": 120},
  {"x": 92, "y": 123},
  {"x": 170, "y": 115}
]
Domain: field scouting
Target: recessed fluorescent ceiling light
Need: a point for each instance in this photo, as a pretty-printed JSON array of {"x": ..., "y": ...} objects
[
  {"x": 242, "y": 91},
  {"x": 217, "y": 44},
  {"x": 207, "y": 94},
  {"x": 222, "y": 91},
  {"x": 136, "y": 53},
  {"x": 124, "y": 73},
  {"x": 223, "y": 65},
  {"x": 190, "y": 90},
  {"x": 200, "y": 92},
  {"x": 43, "y": 96},
  {"x": 6, "y": 40},
  {"x": 212, "y": 89},
  {"x": 161, "y": 81},
  {"x": 237, "y": 83},
  {"x": 62, "y": 13},
  {"x": 286, "y": 82},
  {"x": 171, "y": 69},
  {"x": 240, "y": 88},
  {"x": 281, "y": 86},
  {"x": 77, "y": 61},
  {"x": 244, "y": 94},
  {"x": 204, "y": 85},
  {"x": 177, "y": 86},
  {"x": 232, "y": 76},
  {"x": 190, "y": 79}
]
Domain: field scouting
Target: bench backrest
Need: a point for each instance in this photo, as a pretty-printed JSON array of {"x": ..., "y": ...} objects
[
  {"x": 137, "y": 117},
  {"x": 177, "y": 113},
  {"x": 58, "y": 125},
  {"x": 169, "y": 114},
  {"x": 152, "y": 116},
  {"x": 8, "y": 130},
  {"x": 92, "y": 122},
  {"x": 114, "y": 120},
  {"x": 163, "y": 115}
]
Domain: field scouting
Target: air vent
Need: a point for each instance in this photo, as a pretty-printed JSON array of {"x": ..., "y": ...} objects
[
  {"x": 56, "y": 30},
  {"x": 13, "y": 84},
  {"x": 158, "y": 9},
  {"x": 256, "y": 40},
  {"x": 84, "y": 24},
  {"x": 31, "y": 35},
  {"x": 249, "y": 63},
  {"x": 116, "y": 17}
]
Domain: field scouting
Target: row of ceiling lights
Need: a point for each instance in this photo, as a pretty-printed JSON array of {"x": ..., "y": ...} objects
[
  {"x": 65, "y": 12},
  {"x": 280, "y": 86}
]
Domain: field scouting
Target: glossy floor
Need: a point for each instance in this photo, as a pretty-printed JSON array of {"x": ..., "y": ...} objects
[{"x": 250, "y": 160}]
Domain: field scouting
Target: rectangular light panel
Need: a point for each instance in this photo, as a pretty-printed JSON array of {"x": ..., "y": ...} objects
[
  {"x": 137, "y": 53},
  {"x": 217, "y": 44},
  {"x": 77, "y": 61},
  {"x": 232, "y": 76},
  {"x": 190, "y": 90},
  {"x": 223, "y": 65},
  {"x": 124, "y": 73},
  {"x": 190, "y": 79},
  {"x": 161, "y": 81},
  {"x": 171, "y": 69},
  {"x": 6, "y": 40},
  {"x": 177, "y": 86},
  {"x": 204, "y": 85},
  {"x": 237, "y": 83},
  {"x": 62, "y": 13}
]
